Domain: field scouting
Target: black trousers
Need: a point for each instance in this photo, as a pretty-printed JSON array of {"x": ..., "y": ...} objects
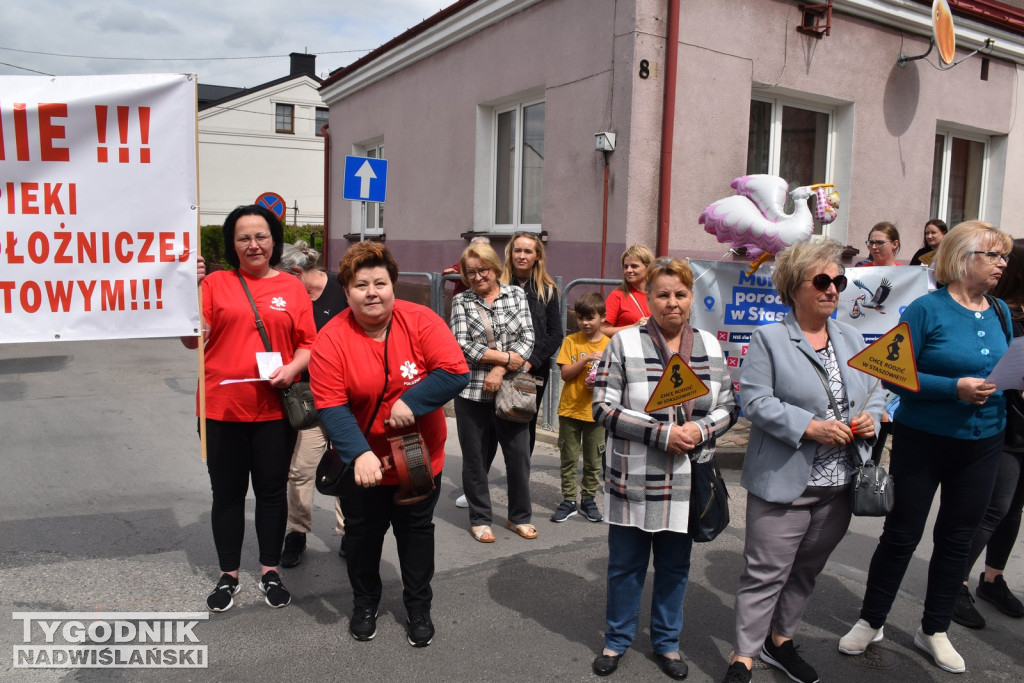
[
  {"x": 236, "y": 452},
  {"x": 368, "y": 514},
  {"x": 999, "y": 526},
  {"x": 921, "y": 463}
]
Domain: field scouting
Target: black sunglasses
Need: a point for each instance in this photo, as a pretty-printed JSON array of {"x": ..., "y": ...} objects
[{"x": 821, "y": 281}]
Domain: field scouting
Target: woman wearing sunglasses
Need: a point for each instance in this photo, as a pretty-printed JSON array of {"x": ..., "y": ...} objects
[
  {"x": 883, "y": 243},
  {"x": 801, "y": 454},
  {"x": 948, "y": 434}
]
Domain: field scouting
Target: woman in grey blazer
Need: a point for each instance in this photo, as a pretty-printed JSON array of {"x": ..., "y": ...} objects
[{"x": 800, "y": 456}]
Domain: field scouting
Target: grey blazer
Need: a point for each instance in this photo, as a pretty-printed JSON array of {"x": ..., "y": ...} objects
[{"x": 781, "y": 393}]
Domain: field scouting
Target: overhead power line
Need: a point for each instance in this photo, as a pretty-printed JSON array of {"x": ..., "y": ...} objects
[{"x": 170, "y": 59}]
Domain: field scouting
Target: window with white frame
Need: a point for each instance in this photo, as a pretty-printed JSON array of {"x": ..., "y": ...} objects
[
  {"x": 958, "y": 177},
  {"x": 284, "y": 118},
  {"x": 518, "y": 189},
  {"x": 371, "y": 219},
  {"x": 791, "y": 140},
  {"x": 321, "y": 120}
]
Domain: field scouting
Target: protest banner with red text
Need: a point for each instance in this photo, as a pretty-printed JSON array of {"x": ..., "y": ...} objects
[{"x": 99, "y": 207}]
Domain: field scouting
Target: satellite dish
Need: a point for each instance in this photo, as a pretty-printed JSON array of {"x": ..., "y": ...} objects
[{"x": 942, "y": 30}]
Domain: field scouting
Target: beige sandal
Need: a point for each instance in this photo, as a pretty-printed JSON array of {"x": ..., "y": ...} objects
[
  {"x": 482, "y": 533},
  {"x": 527, "y": 531}
]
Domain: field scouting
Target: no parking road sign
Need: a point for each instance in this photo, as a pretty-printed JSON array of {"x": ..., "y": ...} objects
[
  {"x": 366, "y": 179},
  {"x": 274, "y": 202}
]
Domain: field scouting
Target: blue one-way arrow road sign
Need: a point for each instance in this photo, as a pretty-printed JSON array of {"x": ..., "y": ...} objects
[{"x": 366, "y": 179}]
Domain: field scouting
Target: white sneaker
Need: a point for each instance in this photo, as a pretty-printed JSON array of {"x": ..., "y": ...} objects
[
  {"x": 941, "y": 650},
  {"x": 860, "y": 636},
  {"x": 461, "y": 501}
]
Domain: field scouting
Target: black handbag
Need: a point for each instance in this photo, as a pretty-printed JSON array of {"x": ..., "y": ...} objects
[
  {"x": 709, "y": 501},
  {"x": 296, "y": 400},
  {"x": 872, "y": 489},
  {"x": 329, "y": 472}
]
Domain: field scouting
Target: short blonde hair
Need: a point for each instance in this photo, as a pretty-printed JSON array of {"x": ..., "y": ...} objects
[
  {"x": 667, "y": 265},
  {"x": 792, "y": 264},
  {"x": 958, "y": 246},
  {"x": 641, "y": 254},
  {"x": 482, "y": 252}
]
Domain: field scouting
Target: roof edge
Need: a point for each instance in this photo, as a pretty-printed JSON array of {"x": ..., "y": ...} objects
[
  {"x": 448, "y": 26},
  {"x": 914, "y": 16}
]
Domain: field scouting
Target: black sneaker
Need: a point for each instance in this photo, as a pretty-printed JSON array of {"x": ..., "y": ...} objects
[
  {"x": 294, "y": 546},
  {"x": 220, "y": 600},
  {"x": 589, "y": 509},
  {"x": 277, "y": 594},
  {"x": 419, "y": 629},
  {"x": 738, "y": 673},
  {"x": 786, "y": 658},
  {"x": 363, "y": 623},
  {"x": 964, "y": 611},
  {"x": 998, "y": 593},
  {"x": 565, "y": 510}
]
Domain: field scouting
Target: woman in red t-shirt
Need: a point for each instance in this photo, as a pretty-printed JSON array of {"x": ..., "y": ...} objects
[
  {"x": 247, "y": 434},
  {"x": 627, "y": 305},
  {"x": 381, "y": 368}
]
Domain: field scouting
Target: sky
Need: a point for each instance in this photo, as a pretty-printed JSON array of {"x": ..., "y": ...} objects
[{"x": 239, "y": 43}]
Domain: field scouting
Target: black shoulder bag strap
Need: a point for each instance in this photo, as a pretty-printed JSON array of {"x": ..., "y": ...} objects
[
  {"x": 369, "y": 425},
  {"x": 259, "y": 322},
  {"x": 828, "y": 390},
  {"x": 994, "y": 303}
]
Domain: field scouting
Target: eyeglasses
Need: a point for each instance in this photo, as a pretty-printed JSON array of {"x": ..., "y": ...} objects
[
  {"x": 259, "y": 238},
  {"x": 821, "y": 282},
  {"x": 871, "y": 244},
  {"x": 481, "y": 273},
  {"x": 994, "y": 256}
]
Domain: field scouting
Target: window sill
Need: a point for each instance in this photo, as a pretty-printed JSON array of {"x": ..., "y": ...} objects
[
  {"x": 354, "y": 237},
  {"x": 543, "y": 234}
]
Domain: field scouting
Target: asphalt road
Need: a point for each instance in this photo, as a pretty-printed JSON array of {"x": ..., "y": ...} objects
[{"x": 104, "y": 506}]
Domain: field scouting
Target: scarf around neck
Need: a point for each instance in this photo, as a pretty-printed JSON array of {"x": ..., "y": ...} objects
[{"x": 664, "y": 352}]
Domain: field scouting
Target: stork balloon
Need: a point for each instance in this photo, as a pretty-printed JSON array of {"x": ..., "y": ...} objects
[{"x": 755, "y": 218}]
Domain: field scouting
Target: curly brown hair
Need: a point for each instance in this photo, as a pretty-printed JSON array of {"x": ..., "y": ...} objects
[{"x": 366, "y": 255}]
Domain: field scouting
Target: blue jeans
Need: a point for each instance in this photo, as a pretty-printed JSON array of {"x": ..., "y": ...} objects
[
  {"x": 629, "y": 551},
  {"x": 921, "y": 463}
]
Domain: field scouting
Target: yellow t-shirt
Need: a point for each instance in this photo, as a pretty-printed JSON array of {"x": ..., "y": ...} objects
[{"x": 576, "y": 395}]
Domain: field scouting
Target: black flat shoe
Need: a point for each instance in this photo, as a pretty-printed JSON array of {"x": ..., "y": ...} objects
[
  {"x": 605, "y": 665},
  {"x": 673, "y": 668}
]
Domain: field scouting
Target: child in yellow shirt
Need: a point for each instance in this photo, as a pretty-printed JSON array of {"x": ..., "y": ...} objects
[{"x": 577, "y": 431}]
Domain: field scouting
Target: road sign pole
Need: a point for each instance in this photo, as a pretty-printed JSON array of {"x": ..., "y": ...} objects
[{"x": 362, "y": 223}]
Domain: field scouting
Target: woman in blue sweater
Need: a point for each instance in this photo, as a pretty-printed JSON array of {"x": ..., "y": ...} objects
[{"x": 950, "y": 433}]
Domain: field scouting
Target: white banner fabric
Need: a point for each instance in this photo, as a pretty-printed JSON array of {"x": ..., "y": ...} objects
[
  {"x": 98, "y": 189},
  {"x": 732, "y": 304}
]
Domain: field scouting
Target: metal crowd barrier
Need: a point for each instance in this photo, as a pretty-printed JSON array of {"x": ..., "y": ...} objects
[{"x": 548, "y": 417}]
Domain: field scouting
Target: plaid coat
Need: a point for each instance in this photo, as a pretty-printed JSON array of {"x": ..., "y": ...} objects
[{"x": 645, "y": 486}]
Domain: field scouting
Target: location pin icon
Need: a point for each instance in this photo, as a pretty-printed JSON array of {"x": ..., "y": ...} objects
[{"x": 709, "y": 301}]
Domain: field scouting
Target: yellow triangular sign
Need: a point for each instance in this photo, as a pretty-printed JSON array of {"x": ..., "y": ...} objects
[
  {"x": 678, "y": 384},
  {"x": 890, "y": 358}
]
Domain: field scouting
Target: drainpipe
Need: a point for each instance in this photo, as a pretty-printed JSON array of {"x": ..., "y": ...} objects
[
  {"x": 668, "y": 127},
  {"x": 327, "y": 190},
  {"x": 604, "y": 220}
]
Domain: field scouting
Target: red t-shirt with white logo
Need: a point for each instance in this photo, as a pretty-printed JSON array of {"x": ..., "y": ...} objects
[
  {"x": 347, "y": 368},
  {"x": 233, "y": 341}
]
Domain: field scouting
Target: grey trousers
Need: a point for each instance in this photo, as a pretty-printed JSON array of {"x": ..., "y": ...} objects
[
  {"x": 787, "y": 546},
  {"x": 475, "y": 419}
]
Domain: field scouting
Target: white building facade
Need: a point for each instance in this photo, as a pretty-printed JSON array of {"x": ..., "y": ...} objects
[{"x": 265, "y": 139}]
